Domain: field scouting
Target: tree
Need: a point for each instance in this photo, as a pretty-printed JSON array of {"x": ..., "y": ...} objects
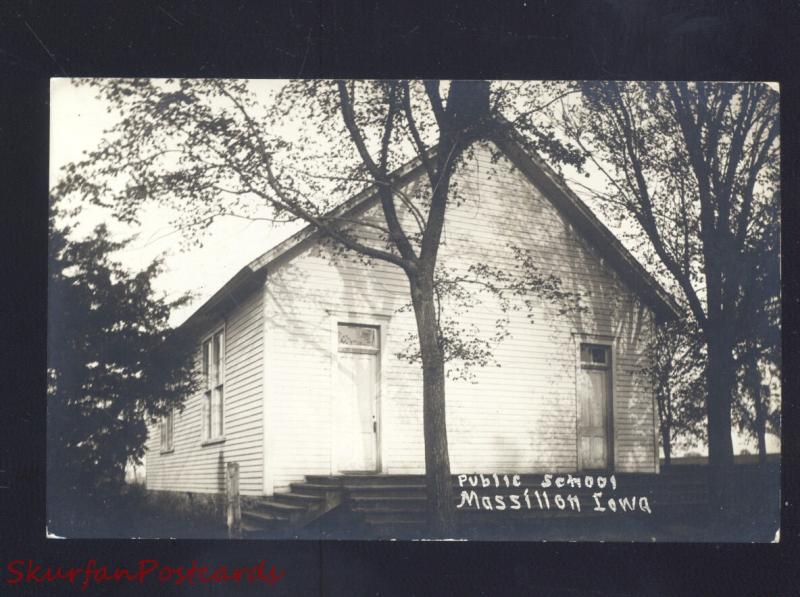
[
  {"x": 758, "y": 351},
  {"x": 112, "y": 362},
  {"x": 757, "y": 410},
  {"x": 211, "y": 148},
  {"x": 693, "y": 164},
  {"x": 675, "y": 372}
]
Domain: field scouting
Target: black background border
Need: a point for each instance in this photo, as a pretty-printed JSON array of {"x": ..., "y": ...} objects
[{"x": 605, "y": 39}]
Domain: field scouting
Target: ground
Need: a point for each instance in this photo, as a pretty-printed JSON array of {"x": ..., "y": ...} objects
[{"x": 755, "y": 518}]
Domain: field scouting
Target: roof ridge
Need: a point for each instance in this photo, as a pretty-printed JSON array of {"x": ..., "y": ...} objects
[{"x": 503, "y": 135}]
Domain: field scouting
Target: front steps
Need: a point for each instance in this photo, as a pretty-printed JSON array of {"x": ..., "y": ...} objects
[
  {"x": 394, "y": 506},
  {"x": 283, "y": 513}
]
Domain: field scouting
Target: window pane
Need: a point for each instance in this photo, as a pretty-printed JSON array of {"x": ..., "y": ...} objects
[
  {"x": 217, "y": 358},
  {"x": 214, "y": 417},
  {"x": 206, "y": 362},
  {"x": 166, "y": 432},
  {"x": 358, "y": 335},
  {"x": 593, "y": 354},
  {"x": 206, "y": 415},
  {"x": 220, "y": 410},
  {"x": 598, "y": 355}
]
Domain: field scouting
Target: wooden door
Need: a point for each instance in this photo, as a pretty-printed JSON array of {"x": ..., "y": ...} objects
[
  {"x": 357, "y": 385},
  {"x": 594, "y": 407}
]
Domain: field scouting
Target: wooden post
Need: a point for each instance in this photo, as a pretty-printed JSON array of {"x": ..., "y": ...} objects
[{"x": 233, "y": 502}]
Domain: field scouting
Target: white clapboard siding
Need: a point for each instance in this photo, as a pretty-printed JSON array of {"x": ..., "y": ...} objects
[
  {"x": 520, "y": 416},
  {"x": 197, "y": 468}
]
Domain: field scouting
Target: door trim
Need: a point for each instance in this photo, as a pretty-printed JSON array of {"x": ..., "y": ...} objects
[
  {"x": 335, "y": 317},
  {"x": 579, "y": 338}
]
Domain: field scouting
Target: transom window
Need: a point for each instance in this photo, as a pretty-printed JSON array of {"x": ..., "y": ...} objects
[
  {"x": 595, "y": 355},
  {"x": 213, "y": 386},
  {"x": 355, "y": 337},
  {"x": 167, "y": 431}
]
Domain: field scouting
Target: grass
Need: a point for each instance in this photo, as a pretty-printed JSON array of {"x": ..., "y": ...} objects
[
  {"x": 738, "y": 459},
  {"x": 131, "y": 514},
  {"x": 755, "y": 517}
]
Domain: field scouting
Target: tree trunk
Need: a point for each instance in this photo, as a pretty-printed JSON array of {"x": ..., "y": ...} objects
[
  {"x": 762, "y": 445},
  {"x": 664, "y": 401},
  {"x": 665, "y": 443},
  {"x": 466, "y": 107},
  {"x": 441, "y": 507},
  {"x": 721, "y": 379},
  {"x": 761, "y": 422}
]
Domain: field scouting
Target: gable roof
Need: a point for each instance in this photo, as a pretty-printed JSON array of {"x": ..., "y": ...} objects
[{"x": 535, "y": 170}]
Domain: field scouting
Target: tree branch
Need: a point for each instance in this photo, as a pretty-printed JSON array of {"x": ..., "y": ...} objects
[
  {"x": 647, "y": 219},
  {"x": 289, "y": 204},
  {"x": 432, "y": 89},
  {"x": 397, "y": 233},
  {"x": 422, "y": 151}
]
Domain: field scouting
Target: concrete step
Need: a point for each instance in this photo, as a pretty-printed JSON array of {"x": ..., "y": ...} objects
[
  {"x": 260, "y": 525},
  {"x": 379, "y": 489},
  {"x": 327, "y": 480},
  {"x": 269, "y": 504},
  {"x": 313, "y": 488},
  {"x": 381, "y": 479},
  {"x": 304, "y": 503},
  {"x": 270, "y": 509},
  {"x": 255, "y": 518},
  {"x": 294, "y": 498},
  {"x": 394, "y": 505},
  {"x": 387, "y": 504}
]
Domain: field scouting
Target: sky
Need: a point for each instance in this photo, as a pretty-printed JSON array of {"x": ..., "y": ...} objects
[{"x": 78, "y": 120}]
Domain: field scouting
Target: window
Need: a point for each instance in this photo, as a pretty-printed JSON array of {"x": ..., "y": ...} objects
[
  {"x": 593, "y": 355},
  {"x": 167, "y": 431},
  {"x": 213, "y": 386},
  {"x": 357, "y": 338}
]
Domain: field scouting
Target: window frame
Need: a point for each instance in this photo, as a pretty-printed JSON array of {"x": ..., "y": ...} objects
[
  {"x": 373, "y": 348},
  {"x": 167, "y": 423},
  {"x": 590, "y": 347},
  {"x": 213, "y": 381}
]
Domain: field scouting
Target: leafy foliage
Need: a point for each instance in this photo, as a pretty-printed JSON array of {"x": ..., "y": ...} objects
[
  {"x": 212, "y": 148},
  {"x": 696, "y": 167},
  {"x": 675, "y": 371},
  {"x": 477, "y": 286},
  {"x": 757, "y": 409},
  {"x": 218, "y": 148},
  {"x": 113, "y": 364}
]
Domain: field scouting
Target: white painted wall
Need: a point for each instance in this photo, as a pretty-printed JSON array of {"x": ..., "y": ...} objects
[
  {"x": 197, "y": 468},
  {"x": 519, "y": 417}
]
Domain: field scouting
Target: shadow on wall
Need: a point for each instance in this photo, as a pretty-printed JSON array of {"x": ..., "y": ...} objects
[
  {"x": 299, "y": 297},
  {"x": 529, "y": 220},
  {"x": 615, "y": 311},
  {"x": 302, "y": 293}
]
